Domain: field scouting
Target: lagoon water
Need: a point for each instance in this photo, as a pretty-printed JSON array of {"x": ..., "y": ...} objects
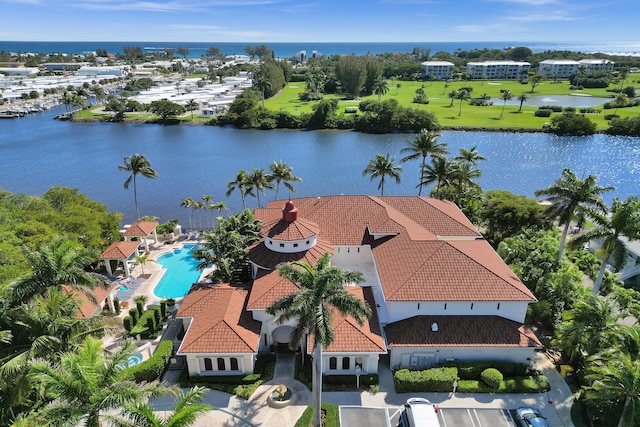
[{"x": 37, "y": 152}]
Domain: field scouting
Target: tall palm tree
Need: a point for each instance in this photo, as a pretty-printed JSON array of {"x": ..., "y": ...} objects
[
  {"x": 463, "y": 176},
  {"x": 241, "y": 183},
  {"x": 381, "y": 167},
  {"x": 61, "y": 262},
  {"x": 615, "y": 376},
  {"x": 87, "y": 383},
  {"x": 141, "y": 260},
  {"x": 470, "y": 156},
  {"x": 569, "y": 193},
  {"x": 188, "y": 407},
  {"x": 137, "y": 164},
  {"x": 262, "y": 84},
  {"x": 522, "y": 98},
  {"x": 320, "y": 288},
  {"x": 210, "y": 205},
  {"x": 439, "y": 171},
  {"x": 461, "y": 95},
  {"x": 191, "y": 106},
  {"x": 621, "y": 100},
  {"x": 260, "y": 181},
  {"x": 187, "y": 203},
  {"x": 380, "y": 87},
  {"x": 281, "y": 172},
  {"x": 622, "y": 220},
  {"x": 423, "y": 145},
  {"x": 506, "y": 95}
]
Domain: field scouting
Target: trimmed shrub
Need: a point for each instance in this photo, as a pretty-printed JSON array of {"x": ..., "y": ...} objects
[
  {"x": 157, "y": 316},
  {"x": 554, "y": 108},
  {"x": 492, "y": 377},
  {"x": 135, "y": 316},
  {"x": 542, "y": 112},
  {"x": 127, "y": 323},
  {"x": 351, "y": 110},
  {"x": 150, "y": 369},
  {"x": 140, "y": 306},
  {"x": 472, "y": 370},
  {"x": 431, "y": 380},
  {"x": 151, "y": 324},
  {"x": 116, "y": 305},
  {"x": 163, "y": 308}
]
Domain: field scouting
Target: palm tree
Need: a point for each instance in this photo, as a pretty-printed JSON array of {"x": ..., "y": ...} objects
[
  {"x": 452, "y": 95},
  {"x": 187, "y": 203},
  {"x": 320, "y": 288},
  {"x": 569, "y": 193},
  {"x": 461, "y": 95},
  {"x": 621, "y": 100},
  {"x": 141, "y": 260},
  {"x": 191, "y": 106},
  {"x": 426, "y": 144},
  {"x": 241, "y": 183},
  {"x": 62, "y": 262},
  {"x": 87, "y": 383},
  {"x": 137, "y": 164},
  {"x": 506, "y": 95},
  {"x": 470, "y": 156},
  {"x": 262, "y": 84},
  {"x": 615, "y": 376},
  {"x": 260, "y": 181},
  {"x": 439, "y": 171},
  {"x": 609, "y": 227},
  {"x": 463, "y": 176},
  {"x": 381, "y": 167},
  {"x": 211, "y": 206},
  {"x": 522, "y": 98},
  {"x": 188, "y": 407},
  {"x": 281, "y": 172},
  {"x": 380, "y": 87}
]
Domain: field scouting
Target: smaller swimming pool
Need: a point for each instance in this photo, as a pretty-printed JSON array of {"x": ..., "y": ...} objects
[
  {"x": 135, "y": 359},
  {"x": 180, "y": 273}
]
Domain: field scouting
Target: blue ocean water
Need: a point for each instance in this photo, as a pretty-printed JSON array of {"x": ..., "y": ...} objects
[{"x": 286, "y": 50}]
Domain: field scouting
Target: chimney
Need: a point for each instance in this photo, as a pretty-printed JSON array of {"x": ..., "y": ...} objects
[{"x": 290, "y": 212}]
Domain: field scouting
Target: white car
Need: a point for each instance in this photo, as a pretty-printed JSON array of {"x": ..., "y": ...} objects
[{"x": 419, "y": 412}]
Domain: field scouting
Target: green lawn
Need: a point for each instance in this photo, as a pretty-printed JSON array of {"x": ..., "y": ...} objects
[{"x": 471, "y": 116}]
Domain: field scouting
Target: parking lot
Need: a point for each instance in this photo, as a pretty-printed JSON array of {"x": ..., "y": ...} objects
[{"x": 358, "y": 416}]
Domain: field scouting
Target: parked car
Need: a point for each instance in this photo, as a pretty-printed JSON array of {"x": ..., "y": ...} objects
[
  {"x": 529, "y": 417},
  {"x": 419, "y": 412}
]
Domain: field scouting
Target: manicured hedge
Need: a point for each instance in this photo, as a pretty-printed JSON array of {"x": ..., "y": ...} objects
[
  {"x": 492, "y": 377},
  {"x": 434, "y": 379},
  {"x": 473, "y": 370},
  {"x": 150, "y": 369}
]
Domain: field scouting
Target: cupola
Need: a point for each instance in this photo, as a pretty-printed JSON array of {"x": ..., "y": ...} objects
[{"x": 290, "y": 212}]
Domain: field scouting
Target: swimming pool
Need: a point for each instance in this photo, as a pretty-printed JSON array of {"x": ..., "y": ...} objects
[
  {"x": 135, "y": 359},
  {"x": 180, "y": 275}
]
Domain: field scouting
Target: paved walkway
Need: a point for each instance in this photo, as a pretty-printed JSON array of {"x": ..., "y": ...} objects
[{"x": 231, "y": 411}]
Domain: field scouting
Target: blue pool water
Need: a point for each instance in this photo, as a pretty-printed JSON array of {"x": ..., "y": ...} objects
[
  {"x": 180, "y": 275},
  {"x": 135, "y": 359}
]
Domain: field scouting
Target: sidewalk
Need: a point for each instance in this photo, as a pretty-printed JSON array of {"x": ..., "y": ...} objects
[{"x": 232, "y": 411}]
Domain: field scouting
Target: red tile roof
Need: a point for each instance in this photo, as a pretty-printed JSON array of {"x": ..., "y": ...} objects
[
  {"x": 120, "y": 250},
  {"x": 428, "y": 251},
  {"x": 351, "y": 337},
  {"x": 140, "y": 229},
  {"x": 284, "y": 230},
  {"x": 267, "y": 259},
  {"x": 460, "y": 331},
  {"x": 221, "y": 323},
  {"x": 89, "y": 307}
]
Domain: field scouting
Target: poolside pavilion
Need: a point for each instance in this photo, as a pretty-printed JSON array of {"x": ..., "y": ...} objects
[
  {"x": 123, "y": 251},
  {"x": 143, "y": 230}
]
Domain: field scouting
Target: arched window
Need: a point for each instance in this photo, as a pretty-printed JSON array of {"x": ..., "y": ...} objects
[
  {"x": 234, "y": 363},
  {"x": 346, "y": 363},
  {"x": 221, "y": 366},
  {"x": 333, "y": 363},
  {"x": 208, "y": 366}
]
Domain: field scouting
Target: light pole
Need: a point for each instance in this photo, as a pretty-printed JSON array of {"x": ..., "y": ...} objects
[{"x": 358, "y": 370}]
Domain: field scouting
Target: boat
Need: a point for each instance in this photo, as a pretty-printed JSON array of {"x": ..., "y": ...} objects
[{"x": 8, "y": 115}]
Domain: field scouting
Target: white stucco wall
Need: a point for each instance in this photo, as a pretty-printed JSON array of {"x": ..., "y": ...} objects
[
  {"x": 196, "y": 364},
  {"x": 418, "y": 357},
  {"x": 515, "y": 311},
  {"x": 352, "y": 255},
  {"x": 369, "y": 363}
]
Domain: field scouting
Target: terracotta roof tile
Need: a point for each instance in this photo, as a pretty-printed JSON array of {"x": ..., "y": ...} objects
[
  {"x": 89, "y": 307},
  {"x": 264, "y": 257},
  {"x": 351, "y": 337},
  {"x": 120, "y": 250},
  {"x": 140, "y": 229},
  {"x": 460, "y": 331},
  {"x": 268, "y": 287},
  {"x": 288, "y": 231},
  {"x": 221, "y": 323}
]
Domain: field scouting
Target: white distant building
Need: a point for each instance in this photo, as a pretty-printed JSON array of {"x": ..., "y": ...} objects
[
  {"x": 102, "y": 71},
  {"x": 437, "y": 70},
  {"x": 300, "y": 56},
  {"x": 498, "y": 69},
  {"x": 19, "y": 71},
  {"x": 595, "y": 65},
  {"x": 561, "y": 68}
]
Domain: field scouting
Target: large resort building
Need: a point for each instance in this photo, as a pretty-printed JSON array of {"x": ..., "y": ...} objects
[
  {"x": 438, "y": 291},
  {"x": 437, "y": 70},
  {"x": 564, "y": 68},
  {"x": 498, "y": 69}
]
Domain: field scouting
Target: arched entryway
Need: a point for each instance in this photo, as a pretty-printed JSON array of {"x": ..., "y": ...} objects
[{"x": 281, "y": 337}]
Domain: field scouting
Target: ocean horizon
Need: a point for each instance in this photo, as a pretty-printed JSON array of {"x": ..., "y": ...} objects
[{"x": 288, "y": 49}]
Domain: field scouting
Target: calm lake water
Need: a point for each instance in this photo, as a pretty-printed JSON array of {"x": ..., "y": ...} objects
[{"x": 37, "y": 152}]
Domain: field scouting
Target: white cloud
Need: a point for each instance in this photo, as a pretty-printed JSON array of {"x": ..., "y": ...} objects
[
  {"x": 172, "y": 6},
  {"x": 24, "y": 1}
]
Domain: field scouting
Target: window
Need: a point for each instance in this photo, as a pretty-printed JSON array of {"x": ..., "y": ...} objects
[
  {"x": 498, "y": 306},
  {"x": 333, "y": 363},
  {"x": 282, "y": 245},
  {"x": 234, "y": 363},
  {"x": 307, "y": 242},
  {"x": 208, "y": 366},
  {"x": 221, "y": 366},
  {"x": 360, "y": 362},
  {"x": 270, "y": 242},
  {"x": 346, "y": 363},
  {"x": 295, "y": 245},
  {"x": 418, "y": 306},
  {"x": 445, "y": 305},
  {"x": 471, "y": 306}
]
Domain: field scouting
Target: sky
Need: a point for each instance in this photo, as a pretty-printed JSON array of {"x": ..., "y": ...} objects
[{"x": 317, "y": 20}]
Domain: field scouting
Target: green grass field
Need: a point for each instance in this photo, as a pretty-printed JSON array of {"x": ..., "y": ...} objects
[{"x": 471, "y": 116}]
